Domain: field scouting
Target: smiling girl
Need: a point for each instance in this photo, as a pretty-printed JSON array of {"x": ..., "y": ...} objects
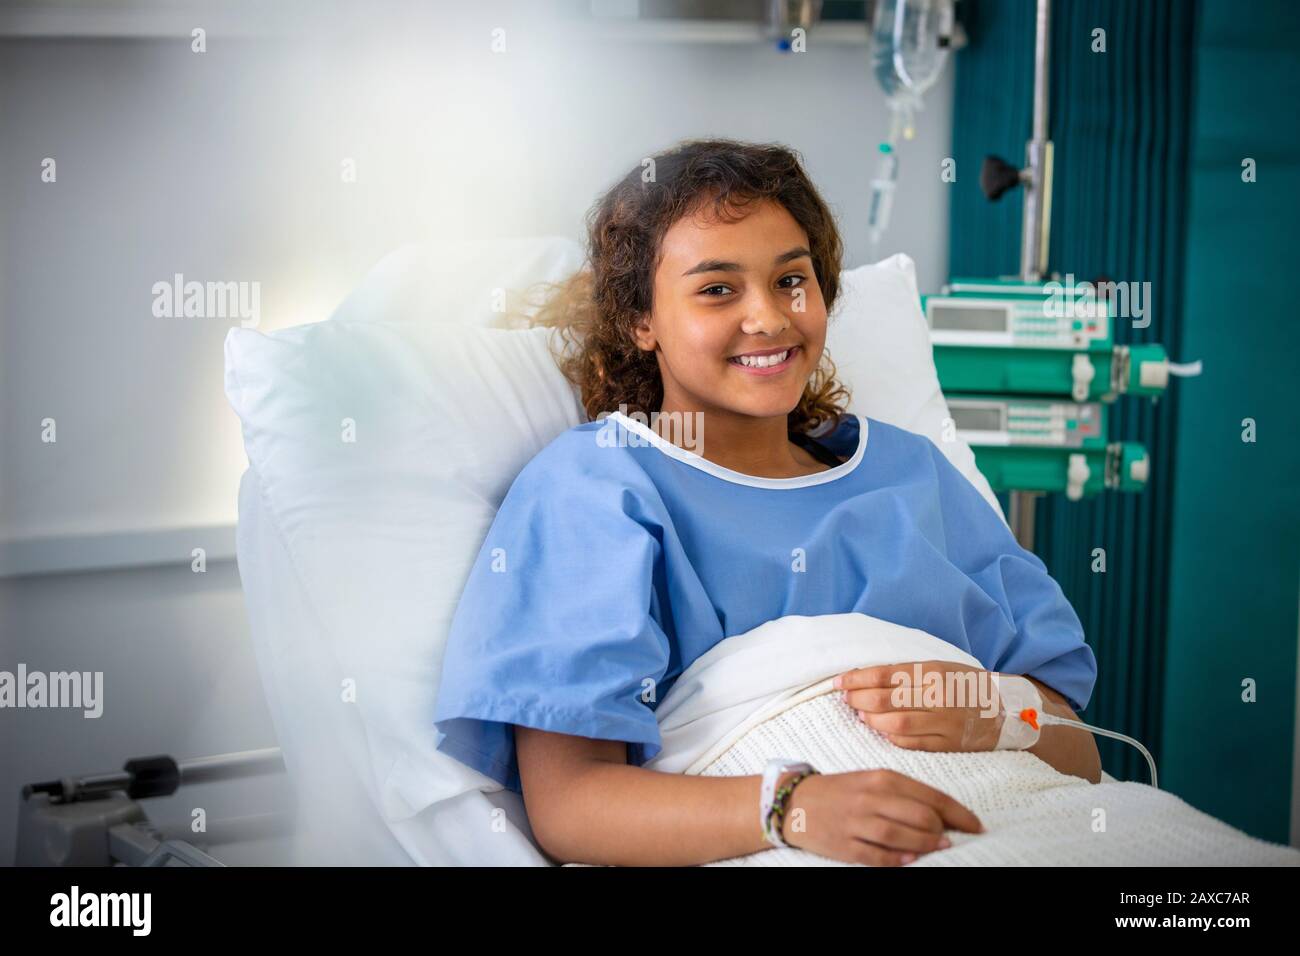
[{"x": 613, "y": 565}]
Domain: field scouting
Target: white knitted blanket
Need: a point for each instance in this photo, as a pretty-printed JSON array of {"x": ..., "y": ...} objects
[{"x": 768, "y": 694}]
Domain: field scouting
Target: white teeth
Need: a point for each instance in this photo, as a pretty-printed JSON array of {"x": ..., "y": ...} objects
[{"x": 763, "y": 361}]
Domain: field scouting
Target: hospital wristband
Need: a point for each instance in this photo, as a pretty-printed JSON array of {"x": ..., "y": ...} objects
[
  {"x": 772, "y": 802},
  {"x": 776, "y": 816}
]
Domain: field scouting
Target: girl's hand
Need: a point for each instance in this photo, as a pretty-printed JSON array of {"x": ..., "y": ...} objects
[
  {"x": 876, "y": 817},
  {"x": 927, "y": 705}
]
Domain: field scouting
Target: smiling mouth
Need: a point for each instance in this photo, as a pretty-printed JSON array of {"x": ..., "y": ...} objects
[{"x": 767, "y": 362}]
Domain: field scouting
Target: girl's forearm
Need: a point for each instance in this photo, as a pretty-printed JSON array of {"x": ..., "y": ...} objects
[
  {"x": 1069, "y": 750},
  {"x": 617, "y": 814}
]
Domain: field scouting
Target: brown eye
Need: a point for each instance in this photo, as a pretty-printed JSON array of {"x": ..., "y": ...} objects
[
  {"x": 705, "y": 290},
  {"x": 797, "y": 278}
]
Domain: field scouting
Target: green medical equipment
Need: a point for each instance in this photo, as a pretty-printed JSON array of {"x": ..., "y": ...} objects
[
  {"x": 1027, "y": 365},
  {"x": 1047, "y": 445},
  {"x": 1035, "y": 339}
]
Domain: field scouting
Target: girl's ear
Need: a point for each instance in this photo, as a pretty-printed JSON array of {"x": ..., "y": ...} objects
[{"x": 643, "y": 334}]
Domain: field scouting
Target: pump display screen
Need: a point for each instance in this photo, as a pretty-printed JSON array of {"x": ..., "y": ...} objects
[
  {"x": 976, "y": 419},
  {"x": 949, "y": 319}
]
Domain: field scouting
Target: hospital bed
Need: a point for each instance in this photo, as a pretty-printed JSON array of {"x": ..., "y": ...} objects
[{"x": 380, "y": 443}]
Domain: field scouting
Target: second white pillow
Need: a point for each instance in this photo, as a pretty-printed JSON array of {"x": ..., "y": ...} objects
[{"x": 880, "y": 343}]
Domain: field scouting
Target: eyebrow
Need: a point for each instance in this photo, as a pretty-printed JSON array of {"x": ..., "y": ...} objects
[{"x": 718, "y": 265}]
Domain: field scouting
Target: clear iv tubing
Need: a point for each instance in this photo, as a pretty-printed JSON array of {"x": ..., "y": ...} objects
[
  {"x": 1063, "y": 722},
  {"x": 882, "y": 194},
  {"x": 882, "y": 186}
]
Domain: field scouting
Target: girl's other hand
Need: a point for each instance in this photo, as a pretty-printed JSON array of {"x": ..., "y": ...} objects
[
  {"x": 875, "y": 817},
  {"x": 927, "y": 705}
]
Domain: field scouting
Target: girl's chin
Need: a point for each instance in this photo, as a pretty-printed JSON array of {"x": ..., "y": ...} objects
[{"x": 762, "y": 405}]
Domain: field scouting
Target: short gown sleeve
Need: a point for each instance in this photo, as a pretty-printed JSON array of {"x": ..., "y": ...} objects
[
  {"x": 1048, "y": 642},
  {"x": 554, "y": 629}
]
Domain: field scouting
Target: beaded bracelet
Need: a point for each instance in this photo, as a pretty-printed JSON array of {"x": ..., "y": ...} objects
[{"x": 773, "y": 833}]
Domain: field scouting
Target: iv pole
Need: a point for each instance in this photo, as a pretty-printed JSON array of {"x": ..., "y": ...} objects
[{"x": 1036, "y": 178}]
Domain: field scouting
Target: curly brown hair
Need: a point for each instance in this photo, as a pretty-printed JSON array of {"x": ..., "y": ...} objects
[{"x": 596, "y": 309}]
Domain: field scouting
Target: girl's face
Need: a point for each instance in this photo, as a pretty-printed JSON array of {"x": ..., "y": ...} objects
[{"x": 738, "y": 321}]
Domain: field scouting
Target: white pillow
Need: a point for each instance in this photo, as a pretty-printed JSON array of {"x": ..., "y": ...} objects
[
  {"x": 381, "y": 531},
  {"x": 880, "y": 343},
  {"x": 877, "y": 334}
]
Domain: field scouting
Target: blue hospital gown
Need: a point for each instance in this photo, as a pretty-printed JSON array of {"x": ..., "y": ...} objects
[{"x": 617, "y": 559}]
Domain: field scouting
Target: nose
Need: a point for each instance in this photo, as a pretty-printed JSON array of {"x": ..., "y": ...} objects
[{"x": 764, "y": 317}]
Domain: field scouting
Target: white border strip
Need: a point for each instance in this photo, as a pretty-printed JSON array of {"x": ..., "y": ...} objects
[
  {"x": 740, "y": 478},
  {"x": 59, "y": 554}
]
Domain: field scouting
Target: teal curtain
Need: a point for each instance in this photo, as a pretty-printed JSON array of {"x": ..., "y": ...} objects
[
  {"x": 1120, "y": 122},
  {"x": 1235, "y": 573}
]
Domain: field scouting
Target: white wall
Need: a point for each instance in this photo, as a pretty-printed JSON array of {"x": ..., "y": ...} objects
[{"x": 225, "y": 166}]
